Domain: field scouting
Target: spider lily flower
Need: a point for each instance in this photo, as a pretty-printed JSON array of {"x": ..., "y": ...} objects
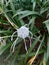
[{"x": 23, "y": 32}]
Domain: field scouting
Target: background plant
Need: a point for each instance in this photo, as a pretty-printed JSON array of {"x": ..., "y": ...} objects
[{"x": 34, "y": 13}]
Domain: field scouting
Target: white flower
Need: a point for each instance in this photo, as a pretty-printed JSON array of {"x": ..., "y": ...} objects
[{"x": 23, "y": 32}]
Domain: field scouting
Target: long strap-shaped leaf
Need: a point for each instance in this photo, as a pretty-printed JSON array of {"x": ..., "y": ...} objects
[
  {"x": 31, "y": 48},
  {"x": 33, "y": 58},
  {"x": 48, "y": 48},
  {"x": 9, "y": 20}
]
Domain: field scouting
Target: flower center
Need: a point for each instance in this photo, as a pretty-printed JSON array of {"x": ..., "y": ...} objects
[{"x": 23, "y": 32}]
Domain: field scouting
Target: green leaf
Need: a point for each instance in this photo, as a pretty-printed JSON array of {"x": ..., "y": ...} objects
[
  {"x": 39, "y": 46},
  {"x": 29, "y": 13},
  {"x": 47, "y": 62},
  {"x": 44, "y": 10},
  {"x": 48, "y": 48},
  {"x": 34, "y": 4},
  {"x": 47, "y": 24},
  {"x": 16, "y": 54},
  {"x": 31, "y": 48},
  {"x": 45, "y": 57},
  {"x": 12, "y": 6},
  {"x": 4, "y": 48},
  {"x": 32, "y": 21},
  {"x": 31, "y": 54},
  {"x": 22, "y": 22},
  {"x": 25, "y": 13}
]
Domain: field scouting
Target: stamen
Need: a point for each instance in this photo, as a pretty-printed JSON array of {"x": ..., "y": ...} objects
[
  {"x": 13, "y": 35},
  {"x": 13, "y": 45}
]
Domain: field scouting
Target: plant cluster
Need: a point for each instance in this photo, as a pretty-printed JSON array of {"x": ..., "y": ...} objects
[{"x": 25, "y": 21}]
